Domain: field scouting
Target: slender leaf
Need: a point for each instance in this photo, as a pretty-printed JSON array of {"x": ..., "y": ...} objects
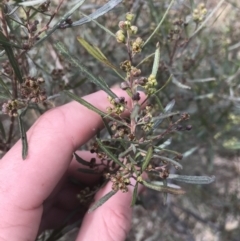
[
  {"x": 80, "y": 160},
  {"x": 101, "y": 201},
  {"x": 99, "y": 12},
  {"x": 148, "y": 157},
  {"x": 93, "y": 108},
  {"x": 162, "y": 188},
  {"x": 11, "y": 57},
  {"x": 190, "y": 152},
  {"x": 164, "y": 116},
  {"x": 100, "y": 25},
  {"x": 135, "y": 195},
  {"x": 192, "y": 179},
  {"x": 179, "y": 84},
  {"x": 23, "y": 136},
  {"x": 167, "y": 159},
  {"x": 31, "y": 3},
  {"x": 107, "y": 127},
  {"x": 109, "y": 153},
  {"x": 61, "y": 48},
  {"x": 202, "y": 80},
  {"x": 88, "y": 171},
  {"x": 170, "y": 106},
  {"x": 6, "y": 90},
  {"x": 84, "y": 103},
  {"x": 156, "y": 60},
  {"x": 2, "y": 130},
  {"x": 4, "y": 96},
  {"x": 95, "y": 52},
  {"x": 165, "y": 143},
  {"x": 159, "y": 25}
]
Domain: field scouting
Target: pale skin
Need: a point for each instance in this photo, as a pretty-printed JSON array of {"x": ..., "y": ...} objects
[{"x": 35, "y": 194}]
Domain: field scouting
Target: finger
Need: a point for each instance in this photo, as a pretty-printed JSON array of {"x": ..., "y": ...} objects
[
  {"x": 111, "y": 221},
  {"x": 24, "y": 185}
]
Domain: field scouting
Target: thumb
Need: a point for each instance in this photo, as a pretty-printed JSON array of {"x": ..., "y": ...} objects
[{"x": 111, "y": 221}]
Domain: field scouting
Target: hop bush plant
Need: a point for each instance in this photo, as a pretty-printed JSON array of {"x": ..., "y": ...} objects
[{"x": 157, "y": 59}]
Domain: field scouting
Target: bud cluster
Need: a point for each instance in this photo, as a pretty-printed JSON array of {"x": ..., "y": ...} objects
[
  {"x": 10, "y": 108},
  {"x": 118, "y": 105},
  {"x": 31, "y": 90},
  {"x": 126, "y": 29},
  {"x": 150, "y": 85},
  {"x": 199, "y": 13},
  {"x": 119, "y": 181}
]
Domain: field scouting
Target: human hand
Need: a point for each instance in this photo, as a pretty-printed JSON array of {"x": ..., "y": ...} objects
[{"x": 35, "y": 194}]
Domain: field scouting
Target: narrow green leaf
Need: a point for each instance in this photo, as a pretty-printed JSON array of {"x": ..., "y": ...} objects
[
  {"x": 6, "y": 90},
  {"x": 167, "y": 159},
  {"x": 80, "y": 160},
  {"x": 109, "y": 153},
  {"x": 91, "y": 107},
  {"x": 101, "y": 201},
  {"x": 31, "y": 3},
  {"x": 61, "y": 48},
  {"x": 95, "y": 52},
  {"x": 148, "y": 157},
  {"x": 23, "y": 137},
  {"x": 156, "y": 60},
  {"x": 107, "y": 127},
  {"x": 162, "y": 188},
  {"x": 11, "y": 57},
  {"x": 88, "y": 171},
  {"x": 100, "y": 25},
  {"x": 84, "y": 103},
  {"x": 9, "y": 44},
  {"x": 179, "y": 84},
  {"x": 99, "y": 12},
  {"x": 2, "y": 130},
  {"x": 160, "y": 23},
  {"x": 4, "y": 96},
  {"x": 190, "y": 152},
  {"x": 164, "y": 116},
  {"x": 166, "y": 110},
  {"x": 192, "y": 179},
  {"x": 135, "y": 195}
]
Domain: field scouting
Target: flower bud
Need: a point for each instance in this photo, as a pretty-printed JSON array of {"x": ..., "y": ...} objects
[
  {"x": 129, "y": 16},
  {"x": 120, "y": 37},
  {"x": 124, "y": 85},
  {"x": 133, "y": 29}
]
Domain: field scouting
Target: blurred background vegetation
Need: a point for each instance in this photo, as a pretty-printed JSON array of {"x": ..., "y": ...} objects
[{"x": 203, "y": 58}]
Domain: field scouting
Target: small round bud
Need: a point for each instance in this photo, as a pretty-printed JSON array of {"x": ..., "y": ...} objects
[
  {"x": 40, "y": 80},
  {"x": 69, "y": 21},
  {"x": 120, "y": 37},
  {"x": 26, "y": 46},
  {"x": 133, "y": 29},
  {"x": 179, "y": 127},
  {"x": 188, "y": 127},
  {"x": 136, "y": 96},
  {"x": 135, "y": 71},
  {"x": 124, "y": 85},
  {"x": 122, "y": 25},
  {"x": 129, "y": 16}
]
